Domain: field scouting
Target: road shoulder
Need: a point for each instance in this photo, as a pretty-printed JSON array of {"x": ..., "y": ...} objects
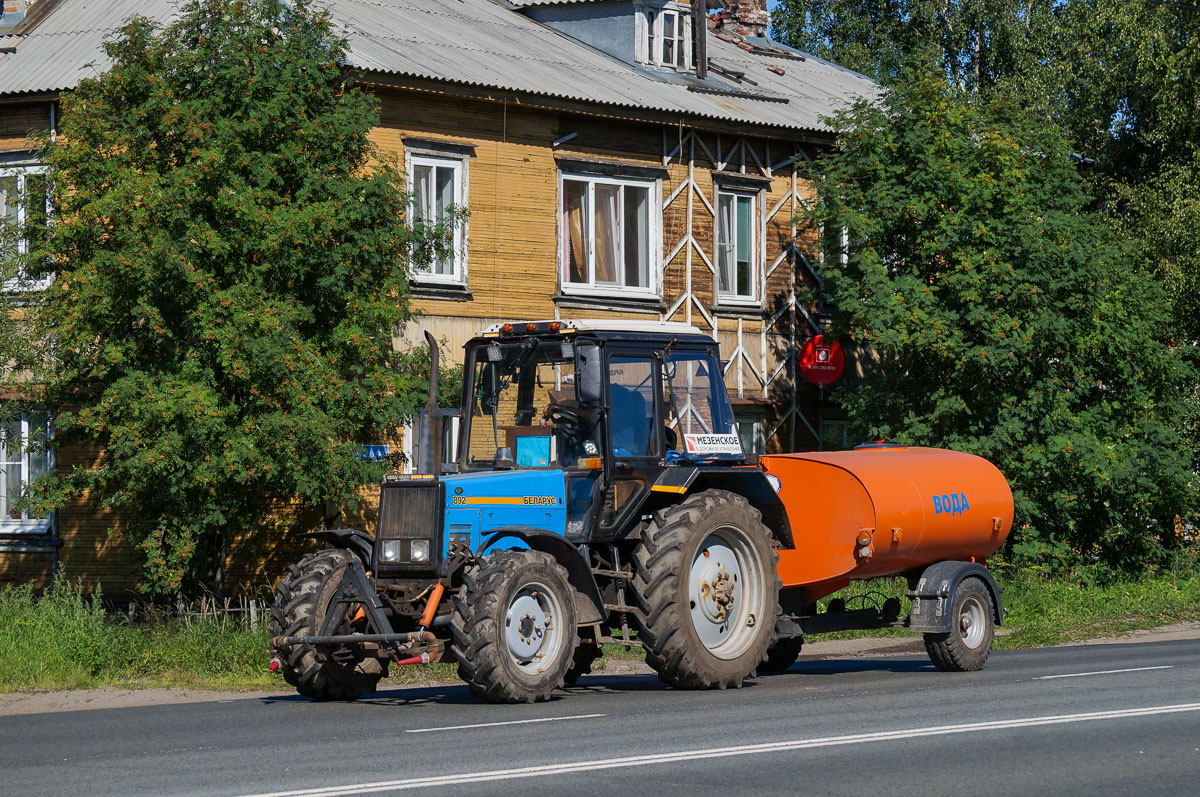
[{"x": 116, "y": 697}]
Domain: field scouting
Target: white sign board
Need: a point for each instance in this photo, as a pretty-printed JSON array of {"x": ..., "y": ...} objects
[{"x": 712, "y": 444}]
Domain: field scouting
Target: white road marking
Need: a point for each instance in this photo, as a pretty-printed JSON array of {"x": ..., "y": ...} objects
[
  {"x": 461, "y": 778},
  {"x": 1103, "y": 672},
  {"x": 509, "y": 722}
]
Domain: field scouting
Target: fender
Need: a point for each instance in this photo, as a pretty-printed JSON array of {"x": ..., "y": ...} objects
[
  {"x": 358, "y": 542},
  {"x": 933, "y": 597},
  {"x": 750, "y": 483},
  {"x": 588, "y": 600}
]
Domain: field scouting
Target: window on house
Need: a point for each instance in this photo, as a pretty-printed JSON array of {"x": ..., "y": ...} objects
[
  {"x": 607, "y": 233},
  {"x": 22, "y": 459},
  {"x": 664, "y": 35},
  {"x": 24, "y": 211},
  {"x": 752, "y": 433},
  {"x": 737, "y": 246},
  {"x": 439, "y": 189}
]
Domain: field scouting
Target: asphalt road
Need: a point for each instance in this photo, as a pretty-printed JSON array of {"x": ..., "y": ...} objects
[{"x": 1106, "y": 719}]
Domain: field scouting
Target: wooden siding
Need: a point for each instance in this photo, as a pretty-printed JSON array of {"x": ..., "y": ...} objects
[{"x": 19, "y": 120}]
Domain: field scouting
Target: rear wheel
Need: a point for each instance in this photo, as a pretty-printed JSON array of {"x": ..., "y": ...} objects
[
  {"x": 708, "y": 592},
  {"x": 302, "y": 600},
  {"x": 514, "y": 627},
  {"x": 973, "y": 627}
]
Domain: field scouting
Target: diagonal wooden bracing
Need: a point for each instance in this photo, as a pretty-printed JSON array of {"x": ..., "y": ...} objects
[{"x": 749, "y": 377}]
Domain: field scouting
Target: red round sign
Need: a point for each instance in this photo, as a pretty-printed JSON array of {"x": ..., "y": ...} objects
[{"x": 822, "y": 361}]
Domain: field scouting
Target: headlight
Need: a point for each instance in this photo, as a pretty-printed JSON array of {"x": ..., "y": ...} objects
[
  {"x": 419, "y": 551},
  {"x": 776, "y": 485},
  {"x": 391, "y": 550}
]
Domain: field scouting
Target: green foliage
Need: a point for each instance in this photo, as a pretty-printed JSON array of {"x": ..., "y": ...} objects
[
  {"x": 1010, "y": 321},
  {"x": 976, "y": 42},
  {"x": 65, "y": 640},
  {"x": 230, "y": 272},
  {"x": 1121, "y": 78}
]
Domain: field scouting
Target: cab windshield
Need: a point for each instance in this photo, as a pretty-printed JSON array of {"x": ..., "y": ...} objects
[{"x": 523, "y": 399}]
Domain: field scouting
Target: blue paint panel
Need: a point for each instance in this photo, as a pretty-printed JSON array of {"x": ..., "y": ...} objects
[{"x": 491, "y": 500}]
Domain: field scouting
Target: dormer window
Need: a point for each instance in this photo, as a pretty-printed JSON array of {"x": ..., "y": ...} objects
[{"x": 664, "y": 35}]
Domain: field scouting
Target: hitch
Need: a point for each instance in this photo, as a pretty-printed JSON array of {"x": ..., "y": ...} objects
[{"x": 355, "y": 592}]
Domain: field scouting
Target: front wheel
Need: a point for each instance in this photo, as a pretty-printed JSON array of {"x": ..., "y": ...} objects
[
  {"x": 708, "y": 591},
  {"x": 302, "y": 600},
  {"x": 973, "y": 626},
  {"x": 514, "y": 627}
]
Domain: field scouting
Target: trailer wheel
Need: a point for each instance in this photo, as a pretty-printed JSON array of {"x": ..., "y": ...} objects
[
  {"x": 782, "y": 654},
  {"x": 301, "y": 601},
  {"x": 514, "y": 627},
  {"x": 706, "y": 583},
  {"x": 973, "y": 627},
  {"x": 585, "y": 655}
]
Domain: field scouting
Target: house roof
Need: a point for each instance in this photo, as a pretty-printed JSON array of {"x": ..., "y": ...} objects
[{"x": 478, "y": 43}]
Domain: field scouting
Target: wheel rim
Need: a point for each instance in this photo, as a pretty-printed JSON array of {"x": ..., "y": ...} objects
[
  {"x": 725, "y": 592},
  {"x": 531, "y": 628},
  {"x": 972, "y": 622}
]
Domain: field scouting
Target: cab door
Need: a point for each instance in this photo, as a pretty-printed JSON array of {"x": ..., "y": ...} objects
[{"x": 633, "y": 436}]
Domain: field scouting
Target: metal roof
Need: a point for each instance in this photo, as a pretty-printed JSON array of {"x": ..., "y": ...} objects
[{"x": 478, "y": 43}]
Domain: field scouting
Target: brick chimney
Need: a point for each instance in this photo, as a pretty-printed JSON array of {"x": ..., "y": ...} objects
[{"x": 746, "y": 17}]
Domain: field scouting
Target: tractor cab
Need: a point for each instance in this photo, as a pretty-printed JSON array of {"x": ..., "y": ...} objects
[{"x": 602, "y": 406}]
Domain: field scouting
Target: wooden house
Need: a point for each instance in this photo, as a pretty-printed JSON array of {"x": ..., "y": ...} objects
[{"x": 638, "y": 159}]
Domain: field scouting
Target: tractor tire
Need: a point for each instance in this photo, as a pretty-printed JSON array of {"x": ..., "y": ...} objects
[
  {"x": 514, "y": 627},
  {"x": 973, "y": 627},
  {"x": 585, "y": 655},
  {"x": 782, "y": 654},
  {"x": 301, "y": 600},
  {"x": 707, "y": 591}
]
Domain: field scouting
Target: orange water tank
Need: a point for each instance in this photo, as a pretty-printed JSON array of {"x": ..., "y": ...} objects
[{"x": 885, "y": 511}]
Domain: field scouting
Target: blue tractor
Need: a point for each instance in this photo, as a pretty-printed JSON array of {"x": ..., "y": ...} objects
[{"x": 598, "y": 492}]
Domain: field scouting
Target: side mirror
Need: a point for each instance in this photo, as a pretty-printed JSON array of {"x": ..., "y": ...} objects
[
  {"x": 489, "y": 388},
  {"x": 589, "y": 380}
]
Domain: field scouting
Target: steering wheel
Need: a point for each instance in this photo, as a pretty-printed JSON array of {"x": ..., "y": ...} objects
[{"x": 567, "y": 418}]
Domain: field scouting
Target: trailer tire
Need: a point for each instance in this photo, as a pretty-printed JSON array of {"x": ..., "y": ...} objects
[
  {"x": 707, "y": 588},
  {"x": 581, "y": 664},
  {"x": 514, "y": 627},
  {"x": 969, "y": 642},
  {"x": 301, "y": 600},
  {"x": 782, "y": 654}
]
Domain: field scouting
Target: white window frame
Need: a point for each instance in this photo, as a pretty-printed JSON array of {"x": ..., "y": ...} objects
[
  {"x": 757, "y": 256},
  {"x": 419, "y": 156},
  {"x": 654, "y": 212},
  {"x": 21, "y": 173},
  {"x": 649, "y": 23},
  {"x": 25, "y": 524}
]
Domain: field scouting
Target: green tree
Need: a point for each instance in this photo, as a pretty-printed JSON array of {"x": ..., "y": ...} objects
[
  {"x": 1011, "y": 322},
  {"x": 976, "y": 42},
  {"x": 229, "y": 263}
]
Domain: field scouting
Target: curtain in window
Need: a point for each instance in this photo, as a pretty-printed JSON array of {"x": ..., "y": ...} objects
[
  {"x": 11, "y": 470},
  {"x": 637, "y": 237},
  {"x": 574, "y": 212},
  {"x": 726, "y": 250},
  {"x": 607, "y": 231},
  {"x": 745, "y": 216},
  {"x": 8, "y": 207},
  {"x": 423, "y": 188}
]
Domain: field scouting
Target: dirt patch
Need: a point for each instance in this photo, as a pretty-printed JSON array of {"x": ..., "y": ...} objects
[{"x": 115, "y": 697}]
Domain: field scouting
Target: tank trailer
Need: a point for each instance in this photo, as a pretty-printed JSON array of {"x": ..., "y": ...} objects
[{"x": 597, "y": 491}]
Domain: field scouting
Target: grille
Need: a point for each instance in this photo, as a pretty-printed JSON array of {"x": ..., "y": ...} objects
[{"x": 411, "y": 510}]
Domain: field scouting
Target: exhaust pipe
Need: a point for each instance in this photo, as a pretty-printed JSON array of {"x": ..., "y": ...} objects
[{"x": 429, "y": 460}]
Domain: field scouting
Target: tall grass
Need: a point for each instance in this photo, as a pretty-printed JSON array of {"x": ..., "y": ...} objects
[{"x": 66, "y": 640}]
